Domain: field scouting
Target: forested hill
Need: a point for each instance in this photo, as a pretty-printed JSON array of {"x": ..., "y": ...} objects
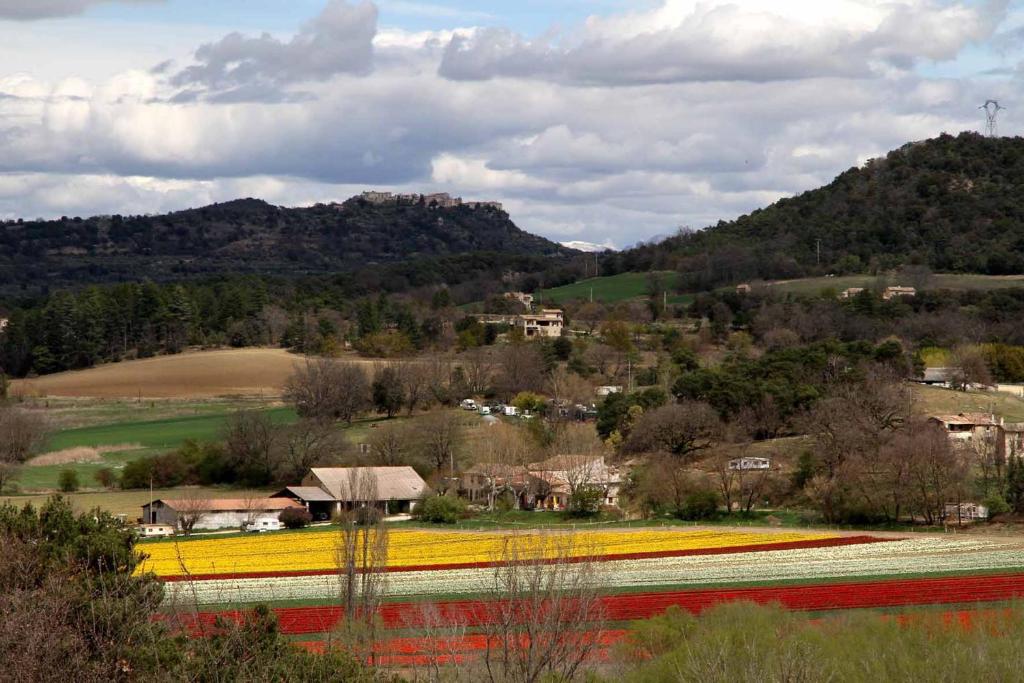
[
  {"x": 252, "y": 236},
  {"x": 955, "y": 204}
]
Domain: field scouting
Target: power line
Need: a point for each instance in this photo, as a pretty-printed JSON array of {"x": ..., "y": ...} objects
[{"x": 991, "y": 109}]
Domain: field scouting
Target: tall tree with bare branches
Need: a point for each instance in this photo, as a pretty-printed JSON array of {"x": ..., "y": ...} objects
[
  {"x": 361, "y": 560},
  {"x": 545, "y": 617}
]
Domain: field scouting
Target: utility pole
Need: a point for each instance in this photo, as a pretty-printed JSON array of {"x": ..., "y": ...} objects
[
  {"x": 818, "y": 251},
  {"x": 591, "y": 293}
]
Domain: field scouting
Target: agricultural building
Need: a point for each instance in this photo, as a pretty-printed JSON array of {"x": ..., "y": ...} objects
[
  {"x": 217, "y": 513},
  {"x": 326, "y": 491}
]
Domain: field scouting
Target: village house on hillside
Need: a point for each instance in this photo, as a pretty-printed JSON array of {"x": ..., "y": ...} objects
[
  {"x": 215, "y": 513},
  {"x": 548, "y": 323},
  {"x": 327, "y": 491},
  {"x": 983, "y": 432}
]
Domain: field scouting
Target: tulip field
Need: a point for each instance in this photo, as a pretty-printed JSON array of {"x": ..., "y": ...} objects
[{"x": 640, "y": 573}]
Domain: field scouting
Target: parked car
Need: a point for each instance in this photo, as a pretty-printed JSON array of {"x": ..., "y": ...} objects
[
  {"x": 468, "y": 404},
  {"x": 484, "y": 410},
  {"x": 510, "y": 411}
]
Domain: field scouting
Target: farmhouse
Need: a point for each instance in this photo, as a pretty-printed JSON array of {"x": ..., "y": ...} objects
[
  {"x": 326, "y": 491},
  {"x": 850, "y": 292},
  {"x": 547, "y": 324},
  {"x": 217, "y": 513},
  {"x": 563, "y": 474}
]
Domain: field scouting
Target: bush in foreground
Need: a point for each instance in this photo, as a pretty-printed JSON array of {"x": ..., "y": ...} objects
[
  {"x": 440, "y": 510},
  {"x": 295, "y": 518}
]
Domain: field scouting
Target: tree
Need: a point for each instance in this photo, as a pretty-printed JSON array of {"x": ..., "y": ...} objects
[
  {"x": 190, "y": 508},
  {"x": 21, "y": 434},
  {"x": 440, "y": 435},
  {"x": 361, "y": 559},
  {"x": 67, "y": 481},
  {"x": 521, "y": 369},
  {"x": 325, "y": 389},
  {"x": 683, "y": 429},
  {"x": 391, "y": 445},
  {"x": 106, "y": 477},
  {"x": 970, "y": 368},
  {"x": 250, "y": 439},
  {"x": 545, "y": 617},
  {"x": 306, "y": 444},
  {"x": 387, "y": 390}
]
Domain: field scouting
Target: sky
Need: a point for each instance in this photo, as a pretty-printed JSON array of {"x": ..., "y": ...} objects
[{"x": 605, "y": 122}]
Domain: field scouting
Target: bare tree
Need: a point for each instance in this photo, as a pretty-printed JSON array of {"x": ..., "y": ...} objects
[
  {"x": 249, "y": 438},
  {"x": 190, "y": 508},
  {"x": 306, "y": 444},
  {"x": 969, "y": 368},
  {"x": 325, "y": 389},
  {"x": 740, "y": 485},
  {"x": 440, "y": 436},
  {"x": 546, "y": 617},
  {"x": 522, "y": 369},
  {"x": 416, "y": 378},
  {"x": 391, "y": 444},
  {"x": 21, "y": 434},
  {"x": 361, "y": 561},
  {"x": 478, "y": 369}
]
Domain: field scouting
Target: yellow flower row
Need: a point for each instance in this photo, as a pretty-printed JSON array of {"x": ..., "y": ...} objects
[{"x": 316, "y": 550}]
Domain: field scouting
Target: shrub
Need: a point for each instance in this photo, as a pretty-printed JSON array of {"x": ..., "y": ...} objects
[
  {"x": 295, "y": 518},
  {"x": 699, "y": 505},
  {"x": 440, "y": 510},
  {"x": 106, "y": 477},
  {"x": 585, "y": 501},
  {"x": 996, "y": 505},
  {"x": 68, "y": 481}
]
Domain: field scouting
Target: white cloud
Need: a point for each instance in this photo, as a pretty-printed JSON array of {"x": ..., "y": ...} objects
[
  {"x": 26, "y": 10},
  {"x": 719, "y": 40},
  {"x": 338, "y": 41}
]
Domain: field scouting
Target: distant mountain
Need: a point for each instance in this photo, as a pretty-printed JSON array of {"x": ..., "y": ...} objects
[
  {"x": 955, "y": 204},
  {"x": 252, "y": 236},
  {"x": 592, "y": 247}
]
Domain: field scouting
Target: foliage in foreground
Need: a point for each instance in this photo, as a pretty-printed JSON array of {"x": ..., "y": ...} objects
[
  {"x": 70, "y": 607},
  {"x": 738, "y": 642}
]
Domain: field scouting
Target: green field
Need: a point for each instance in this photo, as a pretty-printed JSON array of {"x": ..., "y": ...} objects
[
  {"x": 609, "y": 289},
  {"x": 127, "y": 503},
  {"x": 815, "y": 285},
  {"x": 148, "y": 437}
]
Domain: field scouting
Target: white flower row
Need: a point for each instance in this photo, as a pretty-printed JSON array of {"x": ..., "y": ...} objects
[{"x": 892, "y": 558}]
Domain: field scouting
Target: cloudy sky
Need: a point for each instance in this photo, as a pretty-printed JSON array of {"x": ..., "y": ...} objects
[{"x": 608, "y": 121}]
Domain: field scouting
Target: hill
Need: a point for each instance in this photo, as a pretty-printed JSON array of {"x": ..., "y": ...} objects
[
  {"x": 252, "y": 236},
  {"x": 954, "y": 204}
]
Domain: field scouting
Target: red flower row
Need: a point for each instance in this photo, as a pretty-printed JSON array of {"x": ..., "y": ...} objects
[
  {"x": 752, "y": 548},
  {"x": 626, "y": 607}
]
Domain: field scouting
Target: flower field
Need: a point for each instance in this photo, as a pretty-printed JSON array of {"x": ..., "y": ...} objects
[
  {"x": 314, "y": 551},
  {"x": 641, "y": 573}
]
